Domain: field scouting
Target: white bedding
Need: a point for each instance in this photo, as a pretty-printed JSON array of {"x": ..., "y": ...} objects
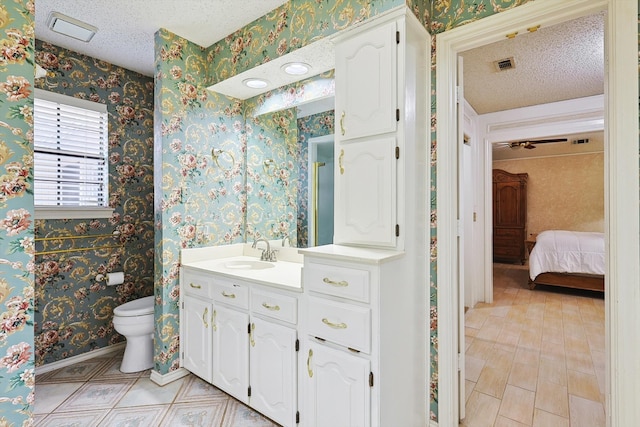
[{"x": 562, "y": 251}]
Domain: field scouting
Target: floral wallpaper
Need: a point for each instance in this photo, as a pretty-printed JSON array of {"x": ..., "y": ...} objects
[
  {"x": 73, "y": 311},
  {"x": 200, "y": 197},
  {"x": 273, "y": 173},
  {"x": 308, "y": 127},
  {"x": 444, "y": 15},
  {"x": 17, "y": 378},
  {"x": 291, "y": 26}
]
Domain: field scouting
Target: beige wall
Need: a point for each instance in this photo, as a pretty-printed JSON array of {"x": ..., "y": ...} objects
[{"x": 563, "y": 193}]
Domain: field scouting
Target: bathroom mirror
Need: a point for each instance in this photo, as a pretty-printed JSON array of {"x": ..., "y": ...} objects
[{"x": 289, "y": 172}]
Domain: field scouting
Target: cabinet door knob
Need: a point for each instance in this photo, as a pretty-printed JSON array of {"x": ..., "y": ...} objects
[
  {"x": 270, "y": 306},
  {"x": 227, "y": 295},
  {"x": 340, "y": 161},
  {"x": 309, "y": 370},
  {"x": 341, "y": 283},
  {"x": 330, "y": 324},
  {"x": 204, "y": 317},
  {"x": 342, "y": 130},
  {"x": 195, "y": 286}
]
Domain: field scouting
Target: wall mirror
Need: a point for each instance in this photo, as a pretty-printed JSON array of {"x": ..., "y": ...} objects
[{"x": 289, "y": 173}]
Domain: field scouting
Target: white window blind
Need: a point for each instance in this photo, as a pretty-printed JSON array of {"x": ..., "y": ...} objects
[{"x": 70, "y": 152}]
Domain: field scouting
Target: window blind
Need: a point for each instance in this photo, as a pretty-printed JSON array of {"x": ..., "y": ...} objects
[{"x": 70, "y": 151}]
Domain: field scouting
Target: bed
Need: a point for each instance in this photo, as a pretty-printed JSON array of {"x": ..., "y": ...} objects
[{"x": 570, "y": 259}]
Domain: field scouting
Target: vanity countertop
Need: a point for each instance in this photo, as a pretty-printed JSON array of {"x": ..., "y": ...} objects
[{"x": 282, "y": 274}]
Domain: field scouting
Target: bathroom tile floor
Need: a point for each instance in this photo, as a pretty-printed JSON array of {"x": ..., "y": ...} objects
[
  {"x": 96, "y": 393},
  {"x": 534, "y": 357}
]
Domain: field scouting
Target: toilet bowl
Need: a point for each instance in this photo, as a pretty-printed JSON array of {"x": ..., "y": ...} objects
[{"x": 134, "y": 320}]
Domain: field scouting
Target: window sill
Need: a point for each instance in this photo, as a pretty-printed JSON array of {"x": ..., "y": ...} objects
[{"x": 72, "y": 213}]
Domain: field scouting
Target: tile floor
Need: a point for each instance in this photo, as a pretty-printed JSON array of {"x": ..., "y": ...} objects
[
  {"x": 96, "y": 393},
  {"x": 534, "y": 357}
]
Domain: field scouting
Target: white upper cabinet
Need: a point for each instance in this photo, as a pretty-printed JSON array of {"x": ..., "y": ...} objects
[
  {"x": 365, "y": 200},
  {"x": 366, "y": 83}
]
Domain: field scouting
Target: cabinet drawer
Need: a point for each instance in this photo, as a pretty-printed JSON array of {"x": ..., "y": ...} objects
[
  {"x": 231, "y": 293},
  {"x": 274, "y": 305},
  {"x": 343, "y": 324},
  {"x": 508, "y": 232},
  {"x": 342, "y": 282},
  {"x": 196, "y": 284}
]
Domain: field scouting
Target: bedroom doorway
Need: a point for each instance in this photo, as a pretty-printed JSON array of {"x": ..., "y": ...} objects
[
  {"x": 620, "y": 212},
  {"x": 515, "y": 341}
]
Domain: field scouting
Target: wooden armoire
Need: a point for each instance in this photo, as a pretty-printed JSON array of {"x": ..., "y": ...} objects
[{"x": 509, "y": 216}]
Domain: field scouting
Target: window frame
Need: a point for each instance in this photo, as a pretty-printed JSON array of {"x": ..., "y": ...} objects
[{"x": 73, "y": 212}]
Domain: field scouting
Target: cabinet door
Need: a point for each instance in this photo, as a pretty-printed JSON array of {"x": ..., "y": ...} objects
[
  {"x": 365, "y": 196},
  {"x": 366, "y": 83},
  {"x": 196, "y": 339},
  {"x": 273, "y": 371},
  {"x": 338, "y": 392},
  {"x": 231, "y": 351}
]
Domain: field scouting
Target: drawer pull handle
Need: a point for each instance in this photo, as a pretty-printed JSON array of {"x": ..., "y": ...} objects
[
  {"x": 309, "y": 370},
  {"x": 341, "y": 283},
  {"x": 330, "y": 324},
  {"x": 251, "y": 340},
  {"x": 340, "y": 158},
  {"x": 195, "y": 286},
  {"x": 213, "y": 320},
  {"x": 271, "y": 307},
  {"x": 204, "y": 317},
  {"x": 226, "y": 295},
  {"x": 342, "y": 130}
]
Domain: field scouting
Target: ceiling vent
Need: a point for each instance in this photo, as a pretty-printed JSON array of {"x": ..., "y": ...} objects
[{"x": 505, "y": 64}]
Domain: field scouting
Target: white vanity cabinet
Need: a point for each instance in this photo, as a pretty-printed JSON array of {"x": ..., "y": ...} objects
[
  {"x": 381, "y": 117},
  {"x": 242, "y": 337},
  {"x": 230, "y": 357},
  {"x": 363, "y": 357},
  {"x": 196, "y": 314}
]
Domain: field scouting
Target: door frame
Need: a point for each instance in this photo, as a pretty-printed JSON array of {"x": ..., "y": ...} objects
[{"x": 622, "y": 177}]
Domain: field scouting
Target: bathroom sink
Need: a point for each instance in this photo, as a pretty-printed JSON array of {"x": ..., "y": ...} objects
[{"x": 248, "y": 265}]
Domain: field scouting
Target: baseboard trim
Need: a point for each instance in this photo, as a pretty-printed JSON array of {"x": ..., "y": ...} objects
[
  {"x": 165, "y": 379},
  {"x": 79, "y": 358}
]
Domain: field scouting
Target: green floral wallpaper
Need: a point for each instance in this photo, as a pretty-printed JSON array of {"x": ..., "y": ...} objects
[
  {"x": 272, "y": 175},
  {"x": 17, "y": 378},
  {"x": 200, "y": 197},
  {"x": 73, "y": 311},
  {"x": 293, "y": 25}
]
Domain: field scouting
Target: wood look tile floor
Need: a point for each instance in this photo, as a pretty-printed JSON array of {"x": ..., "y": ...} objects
[
  {"x": 95, "y": 393},
  {"x": 534, "y": 357}
]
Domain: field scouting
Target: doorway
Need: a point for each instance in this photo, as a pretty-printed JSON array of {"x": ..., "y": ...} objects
[
  {"x": 621, "y": 206},
  {"x": 321, "y": 190}
]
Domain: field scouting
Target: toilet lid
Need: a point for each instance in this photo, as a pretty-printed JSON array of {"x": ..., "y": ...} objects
[{"x": 137, "y": 307}]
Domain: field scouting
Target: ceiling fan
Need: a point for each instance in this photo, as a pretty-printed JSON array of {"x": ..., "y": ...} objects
[{"x": 531, "y": 144}]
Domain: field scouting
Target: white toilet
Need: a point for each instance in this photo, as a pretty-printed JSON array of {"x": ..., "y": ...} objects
[{"x": 134, "y": 320}]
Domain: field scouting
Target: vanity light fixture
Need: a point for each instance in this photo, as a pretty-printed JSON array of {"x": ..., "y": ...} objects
[
  {"x": 255, "y": 83},
  {"x": 71, "y": 27},
  {"x": 296, "y": 68}
]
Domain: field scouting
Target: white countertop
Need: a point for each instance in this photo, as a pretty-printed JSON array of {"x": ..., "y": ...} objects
[{"x": 227, "y": 261}]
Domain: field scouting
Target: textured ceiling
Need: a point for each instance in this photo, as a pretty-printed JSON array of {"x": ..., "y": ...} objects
[
  {"x": 564, "y": 61},
  {"x": 126, "y": 28}
]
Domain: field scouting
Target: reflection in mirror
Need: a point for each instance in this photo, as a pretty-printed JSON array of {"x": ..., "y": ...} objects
[
  {"x": 279, "y": 175},
  {"x": 278, "y": 128},
  {"x": 320, "y": 189}
]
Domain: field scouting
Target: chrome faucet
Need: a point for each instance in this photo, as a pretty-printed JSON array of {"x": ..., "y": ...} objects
[
  {"x": 285, "y": 238},
  {"x": 267, "y": 254}
]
